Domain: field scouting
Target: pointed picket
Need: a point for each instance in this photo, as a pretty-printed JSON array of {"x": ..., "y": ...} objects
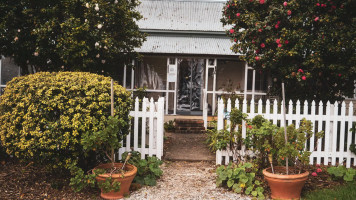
[
  {"x": 320, "y": 127},
  {"x": 275, "y": 110},
  {"x": 349, "y": 134},
  {"x": 260, "y": 107},
  {"x": 334, "y": 133},
  {"x": 297, "y": 114}
]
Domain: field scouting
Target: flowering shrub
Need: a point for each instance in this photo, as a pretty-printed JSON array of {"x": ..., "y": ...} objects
[
  {"x": 282, "y": 36},
  {"x": 49, "y": 117},
  {"x": 90, "y": 35}
]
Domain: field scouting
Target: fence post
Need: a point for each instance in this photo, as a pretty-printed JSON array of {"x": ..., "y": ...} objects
[
  {"x": 160, "y": 118},
  {"x": 220, "y": 126}
]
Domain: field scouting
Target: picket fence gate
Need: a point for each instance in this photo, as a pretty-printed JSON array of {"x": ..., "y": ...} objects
[
  {"x": 146, "y": 134},
  {"x": 336, "y": 123}
]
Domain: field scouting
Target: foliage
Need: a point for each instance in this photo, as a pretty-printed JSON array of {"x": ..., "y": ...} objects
[
  {"x": 341, "y": 172},
  {"x": 218, "y": 140},
  {"x": 51, "y": 118},
  {"x": 240, "y": 178},
  {"x": 352, "y": 148},
  {"x": 309, "y": 45},
  {"x": 169, "y": 126},
  {"x": 148, "y": 170},
  {"x": 265, "y": 138},
  {"x": 70, "y": 35}
]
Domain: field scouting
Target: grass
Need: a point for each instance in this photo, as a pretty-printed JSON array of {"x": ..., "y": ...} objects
[{"x": 342, "y": 192}]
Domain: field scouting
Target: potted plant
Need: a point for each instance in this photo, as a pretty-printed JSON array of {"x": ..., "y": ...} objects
[
  {"x": 113, "y": 178},
  {"x": 284, "y": 146}
]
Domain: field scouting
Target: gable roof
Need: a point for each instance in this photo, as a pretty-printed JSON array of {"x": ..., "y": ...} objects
[{"x": 181, "y": 15}]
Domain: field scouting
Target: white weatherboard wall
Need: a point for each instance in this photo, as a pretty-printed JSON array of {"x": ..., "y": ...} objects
[
  {"x": 333, "y": 120},
  {"x": 151, "y": 117}
]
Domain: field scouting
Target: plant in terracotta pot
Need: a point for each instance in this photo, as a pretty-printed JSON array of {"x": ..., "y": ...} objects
[
  {"x": 287, "y": 178},
  {"x": 113, "y": 178}
]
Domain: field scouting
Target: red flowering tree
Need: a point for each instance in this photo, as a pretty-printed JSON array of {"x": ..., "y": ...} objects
[{"x": 308, "y": 44}]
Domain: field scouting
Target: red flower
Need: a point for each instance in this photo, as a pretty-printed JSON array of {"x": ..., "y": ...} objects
[
  {"x": 319, "y": 170},
  {"x": 314, "y": 174},
  {"x": 263, "y": 45},
  {"x": 262, "y": 1},
  {"x": 304, "y": 78},
  {"x": 339, "y": 75},
  {"x": 317, "y": 4},
  {"x": 257, "y": 58},
  {"x": 260, "y": 30},
  {"x": 279, "y": 45},
  {"x": 276, "y": 26},
  {"x": 300, "y": 70},
  {"x": 278, "y": 41},
  {"x": 333, "y": 7},
  {"x": 316, "y": 19},
  {"x": 289, "y": 12},
  {"x": 257, "y": 51},
  {"x": 317, "y": 165},
  {"x": 249, "y": 127},
  {"x": 235, "y": 40},
  {"x": 323, "y": 5},
  {"x": 232, "y": 31},
  {"x": 285, "y": 4},
  {"x": 238, "y": 15},
  {"x": 286, "y": 42}
]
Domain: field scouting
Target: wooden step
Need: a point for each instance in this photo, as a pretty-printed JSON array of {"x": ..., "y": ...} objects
[{"x": 189, "y": 126}]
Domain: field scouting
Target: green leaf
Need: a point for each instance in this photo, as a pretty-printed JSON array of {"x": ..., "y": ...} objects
[
  {"x": 230, "y": 183},
  {"x": 149, "y": 180},
  {"x": 349, "y": 177},
  {"x": 236, "y": 188},
  {"x": 254, "y": 193},
  {"x": 257, "y": 182}
]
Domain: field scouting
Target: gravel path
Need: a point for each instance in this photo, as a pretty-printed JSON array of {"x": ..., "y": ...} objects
[{"x": 186, "y": 180}]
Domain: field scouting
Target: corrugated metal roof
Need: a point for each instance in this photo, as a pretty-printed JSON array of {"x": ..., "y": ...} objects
[
  {"x": 181, "y": 15},
  {"x": 187, "y": 45}
]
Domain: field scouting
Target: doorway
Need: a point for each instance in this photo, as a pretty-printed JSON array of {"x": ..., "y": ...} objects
[{"x": 190, "y": 85}]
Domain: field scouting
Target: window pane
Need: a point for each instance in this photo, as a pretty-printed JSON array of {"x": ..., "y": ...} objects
[
  {"x": 230, "y": 75},
  {"x": 151, "y": 73}
]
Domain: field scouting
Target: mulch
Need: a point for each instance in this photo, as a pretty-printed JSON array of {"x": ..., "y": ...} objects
[{"x": 24, "y": 181}]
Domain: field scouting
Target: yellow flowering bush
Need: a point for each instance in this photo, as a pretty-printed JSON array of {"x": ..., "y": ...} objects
[{"x": 45, "y": 116}]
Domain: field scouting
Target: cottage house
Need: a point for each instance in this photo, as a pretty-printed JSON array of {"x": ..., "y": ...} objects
[{"x": 186, "y": 58}]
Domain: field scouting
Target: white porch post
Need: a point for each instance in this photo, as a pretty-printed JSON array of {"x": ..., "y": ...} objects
[
  {"x": 175, "y": 88},
  {"x": 245, "y": 85},
  {"x": 214, "y": 85},
  {"x": 167, "y": 86},
  {"x": 132, "y": 75},
  {"x": 253, "y": 83},
  {"x": 124, "y": 81},
  {"x": 205, "y": 94}
]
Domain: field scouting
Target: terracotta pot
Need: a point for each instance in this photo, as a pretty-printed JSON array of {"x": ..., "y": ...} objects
[
  {"x": 125, "y": 181},
  {"x": 285, "y": 186}
]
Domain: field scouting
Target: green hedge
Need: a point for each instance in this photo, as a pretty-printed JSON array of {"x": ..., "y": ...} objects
[{"x": 45, "y": 115}]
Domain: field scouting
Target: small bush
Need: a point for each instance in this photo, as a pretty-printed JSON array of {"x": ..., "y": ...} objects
[
  {"x": 147, "y": 169},
  {"x": 45, "y": 116}
]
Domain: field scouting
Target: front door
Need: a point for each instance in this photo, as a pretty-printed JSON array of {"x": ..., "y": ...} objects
[{"x": 190, "y": 83}]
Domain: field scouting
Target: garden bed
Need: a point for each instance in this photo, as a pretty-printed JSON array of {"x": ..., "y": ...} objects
[{"x": 24, "y": 181}]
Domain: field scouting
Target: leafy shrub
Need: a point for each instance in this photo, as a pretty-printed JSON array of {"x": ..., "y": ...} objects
[
  {"x": 240, "y": 178},
  {"x": 341, "y": 172},
  {"x": 222, "y": 139},
  {"x": 45, "y": 116},
  {"x": 147, "y": 169}
]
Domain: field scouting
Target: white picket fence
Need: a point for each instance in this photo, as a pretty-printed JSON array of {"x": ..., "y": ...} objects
[
  {"x": 336, "y": 124},
  {"x": 148, "y": 126}
]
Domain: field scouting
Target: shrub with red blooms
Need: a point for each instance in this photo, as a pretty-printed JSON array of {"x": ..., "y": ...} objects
[{"x": 279, "y": 37}]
